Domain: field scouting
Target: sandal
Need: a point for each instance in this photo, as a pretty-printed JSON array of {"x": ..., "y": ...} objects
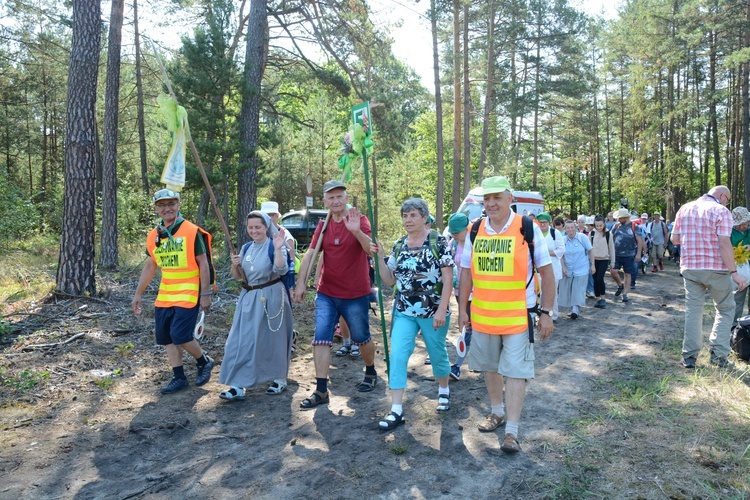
[
  {"x": 491, "y": 423},
  {"x": 343, "y": 350},
  {"x": 444, "y": 402},
  {"x": 233, "y": 394},
  {"x": 510, "y": 444},
  {"x": 317, "y": 398},
  {"x": 355, "y": 351},
  {"x": 368, "y": 384},
  {"x": 391, "y": 421},
  {"x": 276, "y": 388}
]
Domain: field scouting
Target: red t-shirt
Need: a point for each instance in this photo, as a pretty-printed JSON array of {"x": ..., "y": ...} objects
[{"x": 346, "y": 268}]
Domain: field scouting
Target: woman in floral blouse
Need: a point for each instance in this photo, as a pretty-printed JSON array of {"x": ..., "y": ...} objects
[{"x": 419, "y": 264}]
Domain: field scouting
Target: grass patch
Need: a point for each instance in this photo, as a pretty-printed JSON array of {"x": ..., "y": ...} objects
[
  {"x": 696, "y": 423},
  {"x": 24, "y": 381},
  {"x": 398, "y": 449}
]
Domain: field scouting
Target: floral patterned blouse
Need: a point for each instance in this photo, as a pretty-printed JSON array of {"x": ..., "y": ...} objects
[{"x": 417, "y": 274}]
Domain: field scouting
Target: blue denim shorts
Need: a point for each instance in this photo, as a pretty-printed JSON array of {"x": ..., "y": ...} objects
[
  {"x": 355, "y": 312},
  {"x": 175, "y": 325},
  {"x": 627, "y": 264}
]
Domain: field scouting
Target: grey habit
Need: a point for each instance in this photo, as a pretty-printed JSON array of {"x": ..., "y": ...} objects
[{"x": 258, "y": 348}]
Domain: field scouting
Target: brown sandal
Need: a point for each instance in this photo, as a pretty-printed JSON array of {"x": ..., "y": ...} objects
[
  {"x": 491, "y": 423},
  {"x": 317, "y": 398},
  {"x": 510, "y": 444}
]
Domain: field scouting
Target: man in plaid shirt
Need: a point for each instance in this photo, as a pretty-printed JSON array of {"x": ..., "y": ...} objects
[{"x": 703, "y": 228}]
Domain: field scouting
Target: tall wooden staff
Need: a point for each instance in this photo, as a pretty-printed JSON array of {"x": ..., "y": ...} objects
[{"x": 210, "y": 190}]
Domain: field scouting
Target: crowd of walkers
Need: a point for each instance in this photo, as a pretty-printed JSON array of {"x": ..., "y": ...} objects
[{"x": 510, "y": 275}]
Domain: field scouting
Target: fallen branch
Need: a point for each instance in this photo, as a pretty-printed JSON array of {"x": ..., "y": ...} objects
[{"x": 42, "y": 346}]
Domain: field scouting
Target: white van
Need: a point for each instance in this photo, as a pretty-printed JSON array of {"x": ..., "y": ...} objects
[{"x": 524, "y": 203}]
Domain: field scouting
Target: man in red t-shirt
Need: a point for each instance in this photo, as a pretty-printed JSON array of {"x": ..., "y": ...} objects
[{"x": 344, "y": 289}]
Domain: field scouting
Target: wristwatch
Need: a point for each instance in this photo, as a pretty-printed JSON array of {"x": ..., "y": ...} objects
[{"x": 543, "y": 311}]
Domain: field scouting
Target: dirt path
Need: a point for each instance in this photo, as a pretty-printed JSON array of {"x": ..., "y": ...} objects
[{"x": 70, "y": 437}]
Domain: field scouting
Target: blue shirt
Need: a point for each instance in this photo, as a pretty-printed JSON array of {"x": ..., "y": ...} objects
[{"x": 576, "y": 255}]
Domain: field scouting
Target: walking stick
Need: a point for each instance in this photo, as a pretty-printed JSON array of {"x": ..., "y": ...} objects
[
  {"x": 210, "y": 191},
  {"x": 377, "y": 266}
]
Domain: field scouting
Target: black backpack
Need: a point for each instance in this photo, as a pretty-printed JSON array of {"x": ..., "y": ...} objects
[
  {"x": 741, "y": 338},
  {"x": 527, "y": 231}
]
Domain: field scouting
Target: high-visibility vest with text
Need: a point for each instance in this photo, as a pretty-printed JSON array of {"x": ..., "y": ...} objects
[
  {"x": 180, "y": 273},
  {"x": 499, "y": 270}
]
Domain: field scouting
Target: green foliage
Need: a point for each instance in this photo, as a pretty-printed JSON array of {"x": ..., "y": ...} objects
[
  {"x": 25, "y": 381},
  {"x": 124, "y": 349},
  {"x": 18, "y": 217}
]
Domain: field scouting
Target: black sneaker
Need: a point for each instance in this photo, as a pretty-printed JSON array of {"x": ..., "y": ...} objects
[
  {"x": 619, "y": 290},
  {"x": 176, "y": 384},
  {"x": 689, "y": 362},
  {"x": 721, "y": 362},
  {"x": 204, "y": 373}
]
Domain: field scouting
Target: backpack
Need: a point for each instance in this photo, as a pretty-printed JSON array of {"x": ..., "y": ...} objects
[
  {"x": 632, "y": 227},
  {"x": 207, "y": 239},
  {"x": 606, "y": 235},
  {"x": 287, "y": 279},
  {"x": 527, "y": 231},
  {"x": 401, "y": 243},
  {"x": 740, "y": 341}
]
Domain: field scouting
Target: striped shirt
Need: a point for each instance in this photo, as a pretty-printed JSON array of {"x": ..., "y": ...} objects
[{"x": 699, "y": 225}]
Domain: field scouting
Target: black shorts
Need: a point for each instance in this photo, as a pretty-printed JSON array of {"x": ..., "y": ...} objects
[{"x": 175, "y": 325}]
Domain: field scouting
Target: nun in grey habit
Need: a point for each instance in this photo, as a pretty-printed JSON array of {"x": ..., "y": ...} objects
[{"x": 259, "y": 346}]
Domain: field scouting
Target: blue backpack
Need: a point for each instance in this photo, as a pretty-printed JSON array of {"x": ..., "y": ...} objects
[{"x": 288, "y": 279}]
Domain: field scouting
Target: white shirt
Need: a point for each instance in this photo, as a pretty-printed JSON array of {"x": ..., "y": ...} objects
[{"x": 559, "y": 248}]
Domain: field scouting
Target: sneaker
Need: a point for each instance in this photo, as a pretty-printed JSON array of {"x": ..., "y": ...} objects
[
  {"x": 721, "y": 361},
  {"x": 625, "y": 298},
  {"x": 455, "y": 372},
  {"x": 590, "y": 295},
  {"x": 619, "y": 290},
  {"x": 632, "y": 286},
  {"x": 654, "y": 269},
  {"x": 661, "y": 266},
  {"x": 601, "y": 304},
  {"x": 176, "y": 384},
  {"x": 355, "y": 351},
  {"x": 204, "y": 373},
  {"x": 689, "y": 362}
]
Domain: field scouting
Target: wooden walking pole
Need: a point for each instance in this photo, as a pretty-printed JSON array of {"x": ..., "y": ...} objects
[{"x": 210, "y": 191}]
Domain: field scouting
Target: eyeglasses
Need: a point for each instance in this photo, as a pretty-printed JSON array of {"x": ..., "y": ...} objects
[{"x": 171, "y": 204}]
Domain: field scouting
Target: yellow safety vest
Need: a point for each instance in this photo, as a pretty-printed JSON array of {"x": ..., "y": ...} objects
[
  {"x": 499, "y": 270},
  {"x": 180, "y": 274}
]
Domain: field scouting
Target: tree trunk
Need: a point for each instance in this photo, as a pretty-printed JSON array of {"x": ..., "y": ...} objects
[
  {"x": 75, "y": 272},
  {"x": 256, "y": 54},
  {"x": 536, "y": 100},
  {"x": 456, "y": 105},
  {"x": 746, "y": 112},
  {"x": 489, "y": 96},
  {"x": 466, "y": 106},
  {"x": 439, "y": 201},
  {"x": 140, "y": 113},
  {"x": 713, "y": 144},
  {"x": 109, "y": 255}
]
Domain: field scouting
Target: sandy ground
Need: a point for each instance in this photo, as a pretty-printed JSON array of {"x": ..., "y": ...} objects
[{"x": 69, "y": 437}]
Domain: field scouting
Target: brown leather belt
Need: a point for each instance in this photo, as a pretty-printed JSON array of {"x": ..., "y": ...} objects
[{"x": 262, "y": 285}]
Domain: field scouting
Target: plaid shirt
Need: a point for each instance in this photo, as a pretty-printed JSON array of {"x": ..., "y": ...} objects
[{"x": 699, "y": 225}]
